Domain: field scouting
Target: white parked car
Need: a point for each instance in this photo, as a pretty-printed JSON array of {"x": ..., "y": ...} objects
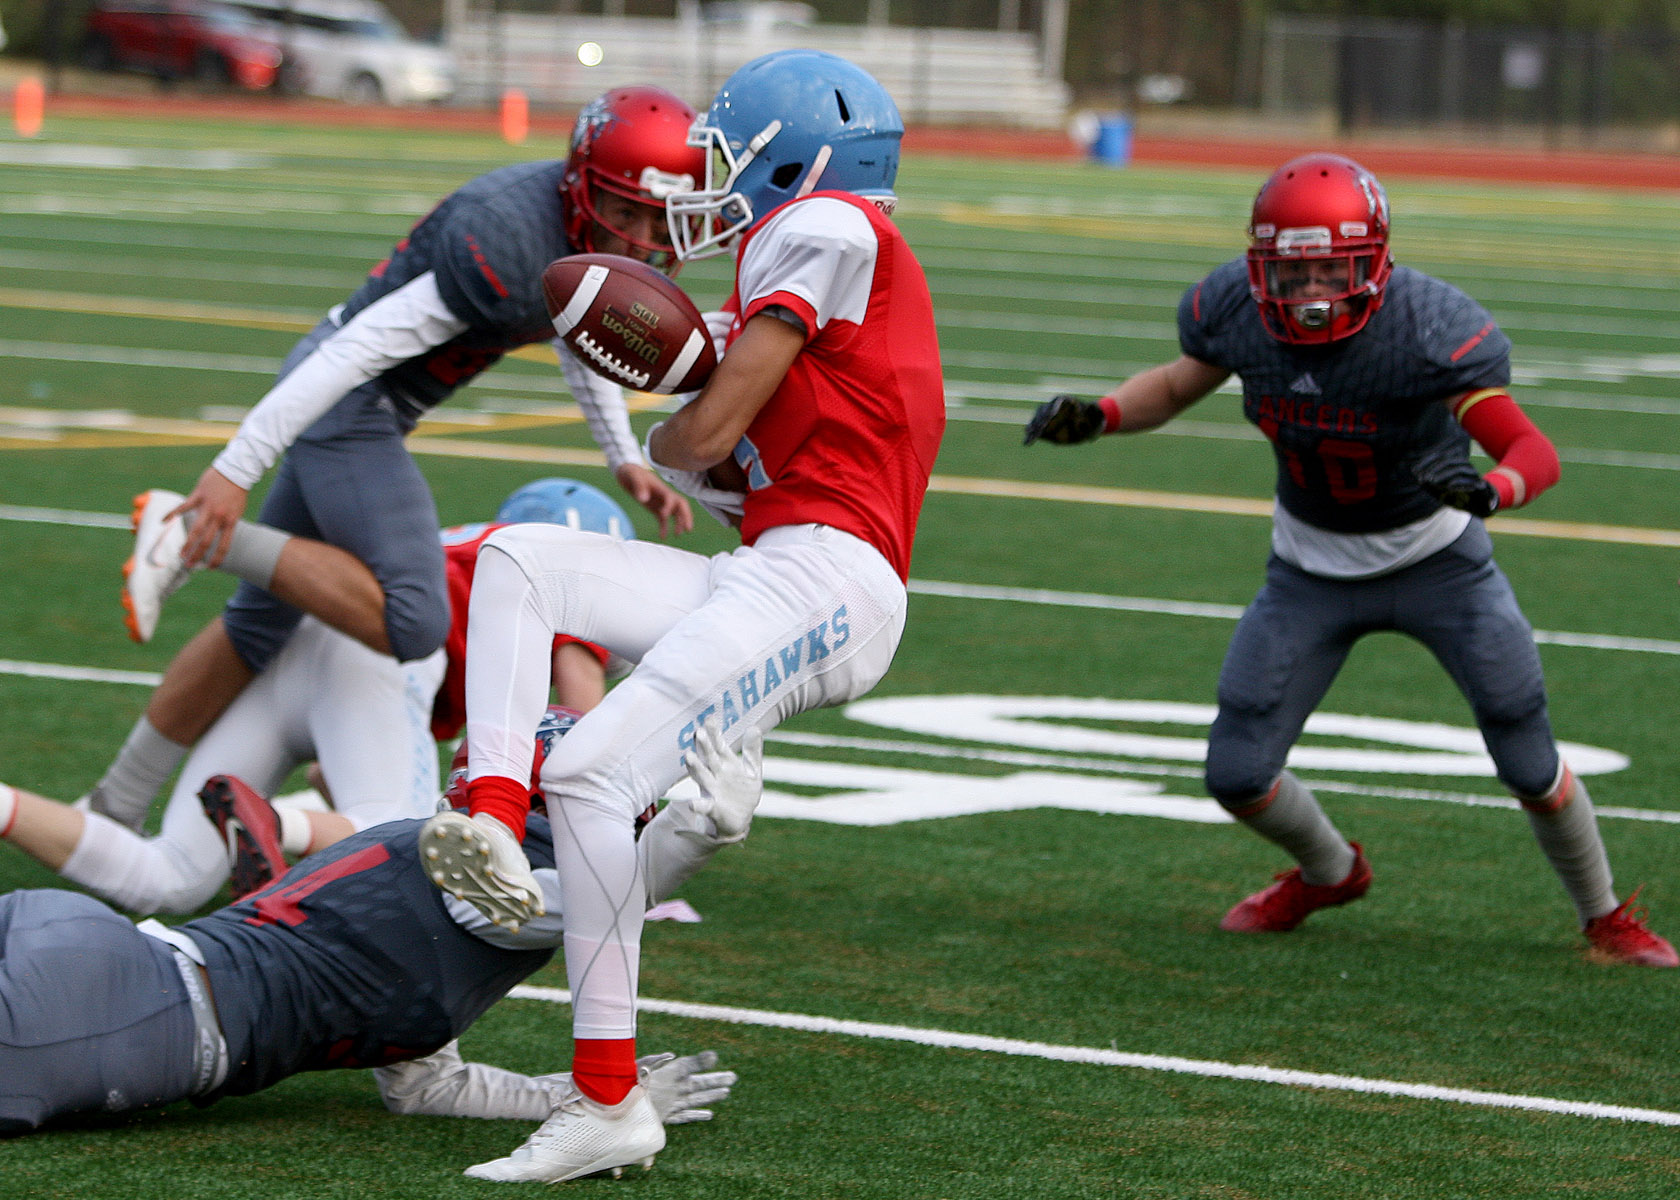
[{"x": 353, "y": 50}]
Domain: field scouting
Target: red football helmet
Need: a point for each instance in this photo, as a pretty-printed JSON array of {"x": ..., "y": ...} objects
[
  {"x": 1318, "y": 256},
  {"x": 631, "y": 142}
]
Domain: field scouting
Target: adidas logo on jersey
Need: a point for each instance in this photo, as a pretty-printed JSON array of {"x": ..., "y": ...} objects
[{"x": 1305, "y": 385}]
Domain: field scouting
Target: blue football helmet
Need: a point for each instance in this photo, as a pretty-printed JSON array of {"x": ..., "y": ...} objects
[
  {"x": 570, "y": 503},
  {"x": 783, "y": 126}
]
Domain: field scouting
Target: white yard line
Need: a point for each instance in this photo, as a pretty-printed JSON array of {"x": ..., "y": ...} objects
[
  {"x": 1207, "y": 1068},
  {"x": 1039, "y": 596},
  {"x": 1230, "y": 612}
]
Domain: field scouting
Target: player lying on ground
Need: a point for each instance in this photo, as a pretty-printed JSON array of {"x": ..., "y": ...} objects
[
  {"x": 1369, "y": 380},
  {"x": 347, "y": 531},
  {"x": 352, "y": 959},
  {"x": 366, "y": 720},
  {"x": 829, "y": 405}
]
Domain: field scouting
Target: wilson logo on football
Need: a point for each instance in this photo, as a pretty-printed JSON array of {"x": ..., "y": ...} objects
[
  {"x": 628, "y": 323},
  {"x": 634, "y": 335}
]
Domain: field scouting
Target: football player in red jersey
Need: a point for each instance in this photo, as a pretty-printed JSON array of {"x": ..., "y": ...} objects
[
  {"x": 1369, "y": 380},
  {"x": 367, "y": 721},
  {"x": 829, "y": 405},
  {"x": 348, "y": 530}
]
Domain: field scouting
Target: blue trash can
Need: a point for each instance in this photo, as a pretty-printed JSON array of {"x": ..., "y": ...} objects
[{"x": 1113, "y": 144}]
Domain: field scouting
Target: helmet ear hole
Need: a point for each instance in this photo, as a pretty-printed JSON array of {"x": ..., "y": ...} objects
[{"x": 784, "y": 176}]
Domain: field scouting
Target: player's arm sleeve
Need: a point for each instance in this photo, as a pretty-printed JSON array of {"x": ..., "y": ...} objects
[
  {"x": 396, "y": 327},
  {"x": 816, "y": 259},
  {"x": 603, "y": 408},
  {"x": 1526, "y": 462}
]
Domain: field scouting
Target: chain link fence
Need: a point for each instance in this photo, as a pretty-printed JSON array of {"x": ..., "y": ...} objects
[{"x": 1395, "y": 74}]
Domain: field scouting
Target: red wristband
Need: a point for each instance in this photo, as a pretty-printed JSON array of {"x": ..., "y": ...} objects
[{"x": 1111, "y": 413}]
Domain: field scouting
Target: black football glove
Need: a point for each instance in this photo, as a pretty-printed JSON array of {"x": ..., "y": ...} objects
[
  {"x": 1454, "y": 482},
  {"x": 1065, "y": 420}
]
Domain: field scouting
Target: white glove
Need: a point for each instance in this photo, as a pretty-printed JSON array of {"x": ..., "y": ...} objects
[
  {"x": 681, "y": 1087},
  {"x": 725, "y": 507},
  {"x": 441, "y": 1085},
  {"x": 731, "y": 785},
  {"x": 678, "y": 1087}
]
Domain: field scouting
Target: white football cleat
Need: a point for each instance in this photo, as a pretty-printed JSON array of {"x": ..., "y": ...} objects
[
  {"x": 154, "y": 572},
  {"x": 583, "y": 1137},
  {"x": 477, "y": 859}
]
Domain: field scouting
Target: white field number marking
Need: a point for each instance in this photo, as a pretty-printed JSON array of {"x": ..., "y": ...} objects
[{"x": 858, "y": 794}]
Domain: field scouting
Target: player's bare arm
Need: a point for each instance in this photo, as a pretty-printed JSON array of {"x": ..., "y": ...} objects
[
  {"x": 703, "y": 432},
  {"x": 1152, "y": 398},
  {"x": 1146, "y": 400}
]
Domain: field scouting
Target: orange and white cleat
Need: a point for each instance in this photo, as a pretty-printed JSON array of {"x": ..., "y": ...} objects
[{"x": 154, "y": 572}]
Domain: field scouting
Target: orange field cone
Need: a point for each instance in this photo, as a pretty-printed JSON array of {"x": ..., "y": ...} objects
[
  {"x": 516, "y": 116},
  {"x": 29, "y": 105}
]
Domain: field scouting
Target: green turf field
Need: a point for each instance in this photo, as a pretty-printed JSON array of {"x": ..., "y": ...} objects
[{"x": 972, "y": 950}]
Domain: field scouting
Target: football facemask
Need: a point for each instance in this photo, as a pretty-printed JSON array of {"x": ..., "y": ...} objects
[
  {"x": 629, "y": 147},
  {"x": 781, "y": 127},
  {"x": 1318, "y": 257},
  {"x": 704, "y": 221}
]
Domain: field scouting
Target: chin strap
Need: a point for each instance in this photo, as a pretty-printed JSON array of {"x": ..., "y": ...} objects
[{"x": 818, "y": 166}]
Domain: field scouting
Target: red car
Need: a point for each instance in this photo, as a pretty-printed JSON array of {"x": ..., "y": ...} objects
[{"x": 180, "y": 39}]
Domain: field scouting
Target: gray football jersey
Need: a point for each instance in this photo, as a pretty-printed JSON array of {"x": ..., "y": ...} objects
[
  {"x": 487, "y": 244},
  {"x": 351, "y": 959},
  {"x": 1347, "y": 420}
]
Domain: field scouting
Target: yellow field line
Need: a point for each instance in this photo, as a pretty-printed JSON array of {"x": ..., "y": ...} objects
[
  {"x": 427, "y": 440},
  {"x": 167, "y": 310},
  {"x": 195, "y": 311},
  {"x": 67, "y": 430},
  {"x": 1627, "y": 535}
]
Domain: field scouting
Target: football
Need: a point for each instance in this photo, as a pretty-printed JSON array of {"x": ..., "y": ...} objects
[{"x": 629, "y": 323}]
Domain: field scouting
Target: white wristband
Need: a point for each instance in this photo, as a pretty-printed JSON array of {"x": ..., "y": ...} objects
[{"x": 8, "y": 809}]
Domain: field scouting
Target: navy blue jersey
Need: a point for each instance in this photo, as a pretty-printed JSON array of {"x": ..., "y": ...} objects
[
  {"x": 487, "y": 244},
  {"x": 351, "y": 959},
  {"x": 1347, "y": 420}
]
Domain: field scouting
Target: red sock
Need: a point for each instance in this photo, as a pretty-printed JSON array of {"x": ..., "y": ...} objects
[
  {"x": 604, "y": 1069},
  {"x": 507, "y": 800}
]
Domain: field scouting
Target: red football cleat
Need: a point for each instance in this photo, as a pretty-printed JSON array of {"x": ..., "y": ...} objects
[
  {"x": 1284, "y": 905},
  {"x": 1620, "y": 936},
  {"x": 250, "y": 829}
]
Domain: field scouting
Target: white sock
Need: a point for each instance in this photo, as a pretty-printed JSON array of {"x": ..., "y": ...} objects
[
  {"x": 295, "y": 831},
  {"x": 1295, "y": 821},
  {"x": 143, "y": 765},
  {"x": 1566, "y": 827},
  {"x": 8, "y": 809}
]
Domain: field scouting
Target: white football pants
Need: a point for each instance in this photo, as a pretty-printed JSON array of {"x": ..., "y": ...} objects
[
  {"x": 808, "y": 616},
  {"x": 362, "y": 715}
]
